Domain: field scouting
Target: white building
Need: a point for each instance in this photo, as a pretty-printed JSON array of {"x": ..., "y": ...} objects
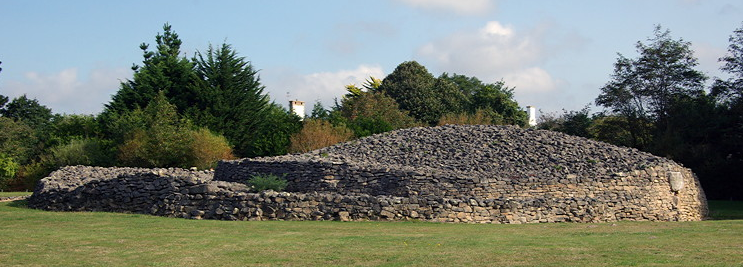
[
  {"x": 297, "y": 107},
  {"x": 532, "y": 115}
]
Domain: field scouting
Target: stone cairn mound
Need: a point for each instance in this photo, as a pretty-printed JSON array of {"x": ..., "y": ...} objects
[
  {"x": 481, "y": 174},
  {"x": 479, "y": 151}
]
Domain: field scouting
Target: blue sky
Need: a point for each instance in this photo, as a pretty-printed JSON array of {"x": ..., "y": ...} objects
[{"x": 71, "y": 55}]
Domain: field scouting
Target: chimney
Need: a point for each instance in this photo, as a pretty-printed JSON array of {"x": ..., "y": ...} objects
[
  {"x": 532, "y": 115},
  {"x": 297, "y": 107}
]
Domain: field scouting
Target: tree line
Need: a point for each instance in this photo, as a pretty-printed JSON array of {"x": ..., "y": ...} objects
[
  {"x": 659, "y": 103},
  {"x": 186, "y": 112}
]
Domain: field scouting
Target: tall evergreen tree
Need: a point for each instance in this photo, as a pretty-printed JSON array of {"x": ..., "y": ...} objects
[
  {"x": 231, "y": 99},
  {"x": 163, "y": 70}
]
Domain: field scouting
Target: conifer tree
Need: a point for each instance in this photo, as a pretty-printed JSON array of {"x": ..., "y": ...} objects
[
  {"x": 163, "y": 70},
  {"x": 230, "y": 98}
]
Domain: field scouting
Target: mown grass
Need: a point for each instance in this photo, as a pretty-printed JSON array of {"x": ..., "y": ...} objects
[
  {"x": 726, "y": 210},
  {"x": 15, "y": 194},
  {"x": 40, "y": 238}
]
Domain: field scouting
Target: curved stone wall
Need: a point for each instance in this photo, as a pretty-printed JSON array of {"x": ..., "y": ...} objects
[{"x": 495, "y": 175}]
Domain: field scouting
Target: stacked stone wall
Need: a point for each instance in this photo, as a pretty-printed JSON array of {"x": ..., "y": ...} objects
[
  {"x": 185, "y": 194},
  {"x": 481, "y": 174}
]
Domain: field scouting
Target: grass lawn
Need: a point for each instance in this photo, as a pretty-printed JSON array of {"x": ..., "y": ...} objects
[
  {"x": 40, "y": 238},
  {"x": 15, "y": 194}
]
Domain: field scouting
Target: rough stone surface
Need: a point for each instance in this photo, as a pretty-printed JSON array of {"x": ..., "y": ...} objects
[
  {"x": 477, "y": 174},
  {"x": 4, "y": 199}
]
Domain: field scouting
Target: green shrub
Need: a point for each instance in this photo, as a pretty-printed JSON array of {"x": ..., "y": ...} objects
[
  {"x": 88, "y": 151},
  {"x": 158, "y": 137},
  {"x": 8, "y": 169},
  {"x": 207, "y": 148},
  {"x": 267, "y": 182}
]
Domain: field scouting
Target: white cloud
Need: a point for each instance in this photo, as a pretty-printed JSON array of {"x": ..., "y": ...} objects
[
  {"x": 499, "y": 52},
  {"x": 492, "y": 53},
  {"x": 531, "y": 81},
  {"x": 461, "y": 7},
  {"x": 321, "y": 86},
  {"x": 65, "y": 92}
]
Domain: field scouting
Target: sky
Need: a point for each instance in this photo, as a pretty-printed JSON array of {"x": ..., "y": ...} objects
[{"x": 73, "y": 55}]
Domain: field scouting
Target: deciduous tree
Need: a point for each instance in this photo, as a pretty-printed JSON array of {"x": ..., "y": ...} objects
[{"x": 644, "y": 89}]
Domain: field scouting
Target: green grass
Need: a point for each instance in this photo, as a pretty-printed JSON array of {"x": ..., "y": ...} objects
[
  {"x": 40, "y": 238},
  {"x": 726, "y": 210},
  {"x": 15, "y": 194}
]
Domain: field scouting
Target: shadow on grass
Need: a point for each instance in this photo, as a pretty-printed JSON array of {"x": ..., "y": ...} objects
[
  {"x": 23, "y": 204},
  {"x": 725, "y": 210}
]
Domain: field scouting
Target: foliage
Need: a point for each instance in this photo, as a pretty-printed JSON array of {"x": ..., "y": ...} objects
[
  {"x": 319, "y": 112},
  {"x": 17, "y": 140},
  {"x": 575, "y": 123},
  {"x": 65, "y": 128},
  {"x": 8, "y": 169},
  {"x": 263, "y": 182},
  {"x": 373, "y": 112},
  {"x": 614, "y": 130},
  {"x": 316, "y": 134},
  {"x": 229, "y": 98},
  {"x": 29, "y": 111},
  {"x": 29, "y": 174},
  {"x": 274, "y": 139},
  {"x": 478, "y": 118},
  {"x": 415, "y": 90},
  {"x": 364, "y": 126},
  {"x": 494, "y": 99},
  {"x": 162, "y": 142},
  {"x": 88, "y": 151},
  {"x": 644, "y": 89},
  {"x": 207, "y": 148},
  {"x": 164, "y": 70},
  {"x": 3, "y": 100},
  {"x": 731, "y": 90},
  {"x": 428, "y": 98}
]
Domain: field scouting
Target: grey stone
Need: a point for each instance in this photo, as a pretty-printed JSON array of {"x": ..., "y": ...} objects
[
  {"x": 676, "y": 180},
  {"x": 495, "y": 174}
]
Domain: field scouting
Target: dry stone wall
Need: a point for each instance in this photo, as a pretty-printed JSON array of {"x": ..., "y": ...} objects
[
  {"x": 474, "y": 174},
  {"x": 492, "y": 162}
]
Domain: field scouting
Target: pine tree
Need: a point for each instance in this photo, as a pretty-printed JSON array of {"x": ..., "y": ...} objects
[
  {"x": 163, "y": 70},
  {"x": 231, "y": 99}
]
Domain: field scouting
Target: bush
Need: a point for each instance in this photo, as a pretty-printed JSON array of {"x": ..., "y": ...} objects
[
  {"x": 17, "y": 140},
  {"x": 317, "y": 134},
  {"x": 368, "y": 113},
  {"x": 30, "y": 174},
  {"x": 207, "y": 148},
  {"x": 267, "y": 182},
  {"x": 478, "y": 118},
  {"x": 8, "y": 169},
  {"x": 89, "y": 151}
]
